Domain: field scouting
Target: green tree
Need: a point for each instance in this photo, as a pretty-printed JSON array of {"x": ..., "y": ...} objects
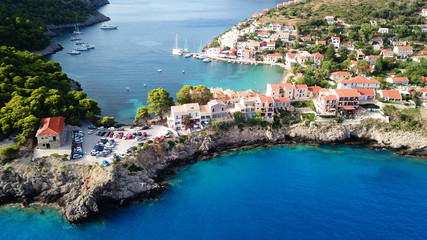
[
  {"x": 238, "y": 117},
  {"x": 362, "y": 67},
  {"x": 183, "y": 96},
  {"x": 330, "y": 53},
  {"x": 159, "y": 102},
  {"x": 379, "y": 65},
  {"x": 142, "y": 113},
  {"x": 201, "y": 94},
  {"x": 107, "y": 121},
  {"x": 366, "y": 32}
]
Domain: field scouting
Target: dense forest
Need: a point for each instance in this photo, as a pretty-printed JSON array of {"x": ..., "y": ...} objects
[
  {"x": 22, "y": 22},
  {"x": 32, "y": 88}
]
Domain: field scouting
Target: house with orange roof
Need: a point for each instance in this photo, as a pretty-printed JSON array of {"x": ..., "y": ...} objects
[
  {"x": 403, "y": 51},
  {"x": 423, "y": 92},
  {"x": 326, "y": 102},
  {"x": 358, "y": 82},
  {"x": 387, "y": 53},
  {"x": 391, "y": 95},
  {"x": 273, "y": 57},
  {"x": 259, "y": 22},
  {"x": 247, "y": 106},
  {"x": 336, "y": 41},
  {"x": 275, "y": 26},
  {"x": 232, "y": 97},
  {"x": 366, "y": 95},
  {"x": 300, "y": 91},
  {"x": 218, "y": 94},
  {"x": 317, "y": 58},
  {"x": 271, "y": 46},
  {"x": 280, "y": 90},
  {"x": 336, "y": 76},
  {"x": 255, "y": 15},
  {"x": 424, "y": 12},
  {"x": 248, "y": 93},
  {"x": 290, "y": 58},
  {"x": 50, "y": 132},
  {"x": 424, "y": 52},
  {"x": 264, "y": 11},
  {"x": 348, "y": 99},
  {"x": 265, "y": 105},
  {"x": 423, "y": 79},
  {"x": 398, "y": 80},
  {"x": 313, "y": 91},
  {"x": 321, "y": 42},
  {"x": 372, "y": 59},
  {"x": 282, "y": 103}
]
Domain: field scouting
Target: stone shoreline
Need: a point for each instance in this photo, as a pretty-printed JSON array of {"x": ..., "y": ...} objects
[{"x": 83, "y": 192}]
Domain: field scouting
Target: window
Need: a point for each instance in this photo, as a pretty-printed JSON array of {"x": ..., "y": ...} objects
[
  {"x": 54, "y": 138},
  {"x": 196, "y": 114}
]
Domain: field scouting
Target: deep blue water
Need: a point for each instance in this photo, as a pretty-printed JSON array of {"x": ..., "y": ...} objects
[
  {"x": 301, "y": 192},
  {"x": 130, "y": 56}
]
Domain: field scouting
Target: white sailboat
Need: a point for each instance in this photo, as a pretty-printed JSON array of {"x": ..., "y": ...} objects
[
  {"x": 107, "y": 26},
  {"x": 186, "y": 47},
  {"x": 76, "y": 30},
  {"x": 176, "y": 50}
]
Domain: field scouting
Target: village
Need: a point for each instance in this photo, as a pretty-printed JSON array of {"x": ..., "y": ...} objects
[{"x": 356, "y": 92}]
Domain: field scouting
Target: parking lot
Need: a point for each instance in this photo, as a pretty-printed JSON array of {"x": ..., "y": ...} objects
[{"x": 90, "y": 140}]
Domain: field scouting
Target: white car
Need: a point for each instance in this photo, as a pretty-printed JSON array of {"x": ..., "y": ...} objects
[{"x": 90, "y": 132}]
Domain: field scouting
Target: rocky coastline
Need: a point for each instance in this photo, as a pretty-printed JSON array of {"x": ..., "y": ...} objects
[
  {"x": 90, "y": 20},
  {"x": 83, "y": 191}
]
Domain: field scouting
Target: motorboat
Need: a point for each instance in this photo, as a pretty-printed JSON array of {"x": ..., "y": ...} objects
[
  {"x": 107, "y": 26},
  {"x": 88, "y": 46},
  {"x": 187, "y": 55},
  {"x": 82, "y": 48},
  {"x": 183, "y": 71},
  {"x": 75, "y": 38},
  {"x": 78, "y": 42},
  {"x": 74, "y": 52},
  {"x": 159, "y": 70},
  {"x": 207, "y": 60}
]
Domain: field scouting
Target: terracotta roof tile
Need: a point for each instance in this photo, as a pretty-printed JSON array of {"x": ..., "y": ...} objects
[{"x": 51, "y": 126}]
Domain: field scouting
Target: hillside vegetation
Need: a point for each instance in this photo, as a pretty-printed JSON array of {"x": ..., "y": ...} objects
[
  {"x": 22, "y": 22},
  {"x": 32, "y": 88}
]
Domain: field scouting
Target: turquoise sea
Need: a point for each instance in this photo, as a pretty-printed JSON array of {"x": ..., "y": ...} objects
[
  {"x": 284, "y": 192},
  {"x": 131, "y": 55}
]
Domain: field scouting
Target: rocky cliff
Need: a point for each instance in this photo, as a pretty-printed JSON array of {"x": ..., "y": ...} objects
[
  {"x": 82, "y": 190},
  {"x": 96, "y": 3}
]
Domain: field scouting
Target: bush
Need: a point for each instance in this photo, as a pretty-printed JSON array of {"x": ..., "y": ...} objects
[
  {"x": 145, "y": 146},
  {"x": 9, "y": 152},
  {"x": 171, "y": 144},
  {"x": 134, "y": 168},
  {"x": 55, "y": 155},
  {"x": 65, "y": 157}
]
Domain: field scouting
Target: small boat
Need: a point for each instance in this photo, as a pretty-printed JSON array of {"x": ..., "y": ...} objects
[
  {"x": 207, "y": 60},
  {"x": 145, "y": 85},
  {"x": 176, "y": 50},
  {"x": 127, "y": 89},
  {"x": 78, "y": 42},
  {"x": 74, "y": 52},
  {"x": 187, "y": 55},
  {"x": 75, "y": 38},
  {"x": 88, "y": 46},
  {"x": 82, "y": 48},
  {"x": 183, "y": 71},
  {"x": 106, "y": 26},
  {"x": 159, "y": 70}
]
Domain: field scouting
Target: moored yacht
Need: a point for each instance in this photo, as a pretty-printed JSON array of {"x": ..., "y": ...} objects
[
  {"x": 74, "y": 52},
  {"x": 106, "y": 26},
  {"x": 88, "y": 46},
  {"x": 187, "y": 55},
  {"x": 207, "y": 60}
]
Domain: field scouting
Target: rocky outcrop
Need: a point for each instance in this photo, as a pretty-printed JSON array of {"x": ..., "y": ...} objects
[
  {"x": 75, "y": 86},
  {"x": 90, "y": 20},
  {"x": 83, "y": 191},
  {"x": 51, "y": 49}
]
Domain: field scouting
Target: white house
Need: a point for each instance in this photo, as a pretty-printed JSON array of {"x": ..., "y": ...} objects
[
  {"x": 398, "y": 80},
  {"x": 403, "y": 51},
  {"x": 336, "y": 41},
  {"x": 358, "y": 82},
  {"x": 383, "y": 30},
  {"x": 273, "y": 57}
]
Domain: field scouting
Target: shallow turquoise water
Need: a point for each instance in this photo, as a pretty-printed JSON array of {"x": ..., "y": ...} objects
[
  {"x": 130, "y": 56},
  {"x": 301, "y": 192}
]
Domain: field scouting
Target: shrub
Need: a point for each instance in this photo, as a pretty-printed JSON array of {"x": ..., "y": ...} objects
[
  {"x": 134, "y": 168},
  {"x": 171, "y": 144},
  {"x": 55, "y": 155},
  {"x": 145, "y": 146},
  {"x": 9, "y": 152}
]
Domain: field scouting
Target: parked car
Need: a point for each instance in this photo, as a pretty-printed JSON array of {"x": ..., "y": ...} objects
[
  {"x": 150, "y": 141},
  {"x": 144, "y": 134},
  {"x": 129, "y": 136},
  {"x": 75, "y": 156},
  {"x": 111, "y": 135},
  {"x": 90, "y": 132},
  {"x": 133, "y": 148},
  {"x": 120, "y": 129},
  {"x": 111, "y": 128},
  {"x": 91, "y": 127},
  {"x": 120, "y": 136},
  {"x": 105, "y": 162},
  {"x": 139, "y": 134},
  {"x": 145, "y": 128},
  {"x": 140, "y": 144}
]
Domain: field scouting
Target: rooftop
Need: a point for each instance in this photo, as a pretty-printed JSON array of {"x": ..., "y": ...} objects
[{"x": 51, "y": 126}]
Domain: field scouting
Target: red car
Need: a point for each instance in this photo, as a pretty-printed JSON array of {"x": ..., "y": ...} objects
[
  {"x": 150, "y": 141},
  {"x": 129, "y": 136},
  {"x": 159, "y": 139},
  {"x": 120, "y": 135},
  {"x": 111, "y": 134},
  {"x": 144, "y": 134}
]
